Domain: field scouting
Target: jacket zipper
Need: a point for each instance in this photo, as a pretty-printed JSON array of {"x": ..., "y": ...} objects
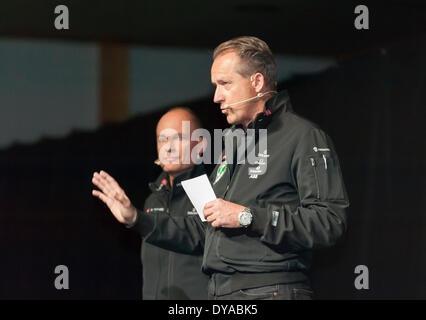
[
  {"x": 316, "y": 149},
  {"x": 316, "y": 176}
]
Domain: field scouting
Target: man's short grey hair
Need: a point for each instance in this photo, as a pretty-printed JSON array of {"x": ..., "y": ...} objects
[{"x": 255, "y": 56}]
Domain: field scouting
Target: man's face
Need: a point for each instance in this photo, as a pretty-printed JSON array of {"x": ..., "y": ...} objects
[
  {"x": 174, "y": 144},
  {"x": 231, "y": 87}
]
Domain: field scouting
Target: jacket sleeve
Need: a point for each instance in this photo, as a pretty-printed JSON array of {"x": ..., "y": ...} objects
[
  {"x": 319, "y": 219},
  {"x": 178, "y": 234}
]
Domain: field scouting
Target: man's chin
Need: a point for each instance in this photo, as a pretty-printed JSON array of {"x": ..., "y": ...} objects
[
  {"x": 175, "y": 169},
  {"x": 230, "y": 119}
]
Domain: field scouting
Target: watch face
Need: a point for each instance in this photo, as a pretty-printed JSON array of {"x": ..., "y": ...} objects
[{"x": 245, "y": 218}]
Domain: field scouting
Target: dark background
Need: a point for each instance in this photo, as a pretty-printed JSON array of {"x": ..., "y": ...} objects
[{"x": 372, "y": 104}]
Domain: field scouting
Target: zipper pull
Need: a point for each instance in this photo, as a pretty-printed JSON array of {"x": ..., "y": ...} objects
[
  {"x": 325, "y": 161},
  {"x": 316, "y": 149}
]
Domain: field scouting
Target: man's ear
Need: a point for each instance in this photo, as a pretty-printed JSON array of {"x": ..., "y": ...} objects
[
  {"x": 258, "y": 82},
  {"x": 203, "y": 145}
]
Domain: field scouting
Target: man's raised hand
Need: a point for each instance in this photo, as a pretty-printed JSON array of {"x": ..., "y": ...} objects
[{"x": 114, "y": 197}]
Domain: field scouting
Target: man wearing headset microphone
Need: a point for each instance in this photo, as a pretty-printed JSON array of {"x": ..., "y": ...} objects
[
  {"x": 167, "y": 275},
  {"x": 269, "y": 214}
]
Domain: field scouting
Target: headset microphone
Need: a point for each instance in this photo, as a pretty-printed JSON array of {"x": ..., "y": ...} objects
[{"x": 259, "y": 95}]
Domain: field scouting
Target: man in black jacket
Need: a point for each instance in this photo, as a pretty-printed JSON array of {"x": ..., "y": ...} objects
[
  {"x": 285, "y": 198},
  {"x": 166, "y": 274}
]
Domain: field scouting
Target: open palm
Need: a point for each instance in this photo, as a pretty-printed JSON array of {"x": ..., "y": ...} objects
[{"x": 114, "y": 197}]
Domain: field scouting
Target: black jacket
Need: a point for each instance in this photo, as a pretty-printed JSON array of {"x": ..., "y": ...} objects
[
  {"x": 166, "y": 274},
  {"x": 297, "y": 197}
]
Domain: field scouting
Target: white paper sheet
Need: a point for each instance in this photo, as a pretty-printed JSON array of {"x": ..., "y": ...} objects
[{"x": 199, "y": 191}]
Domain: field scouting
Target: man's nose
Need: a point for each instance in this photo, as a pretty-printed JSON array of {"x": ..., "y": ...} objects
[
  {"x": 218, "y": 96},
  {"x": 168, "y": 146}
]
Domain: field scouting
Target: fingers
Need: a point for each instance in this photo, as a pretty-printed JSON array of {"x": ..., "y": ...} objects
[
  {"x": 101, "y": 183},
  {"x": 211, "y": 216},
  {"x": 102, "y": 197},
  {"x": 208, "y": 205},
  {"x": 221, "y": 213},
  {"x": 216, "y": 221},
  {"x": 110, "y": 188},
  {"x": 112, "y": 182},
  {"x": 212, "y": 212},
  {"x": 216, "y": 224},
  {"x": 212, "y": 203},
  {"x": 208, "y": 210},
  {"x": 108, "y": 185}
]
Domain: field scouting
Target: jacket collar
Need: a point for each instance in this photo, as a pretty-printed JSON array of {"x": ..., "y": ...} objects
[{"x": 279, "y": 102}]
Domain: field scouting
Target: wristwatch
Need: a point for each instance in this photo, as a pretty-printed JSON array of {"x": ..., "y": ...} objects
[{"x": 245, "y": 217}]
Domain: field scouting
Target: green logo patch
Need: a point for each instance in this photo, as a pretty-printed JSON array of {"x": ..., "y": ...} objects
[{"x": 220, "y": 172}]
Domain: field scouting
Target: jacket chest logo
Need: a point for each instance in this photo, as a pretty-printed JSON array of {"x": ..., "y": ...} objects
[
  {"x": 262, "y": 165},
  {"x": 149, "y": 210},
  {"x": 192, "y": 212},
  {"x": 220, "y": 171}
]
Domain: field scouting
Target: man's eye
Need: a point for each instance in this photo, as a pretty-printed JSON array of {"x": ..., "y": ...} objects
[{"x": 162, "y": 139}]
